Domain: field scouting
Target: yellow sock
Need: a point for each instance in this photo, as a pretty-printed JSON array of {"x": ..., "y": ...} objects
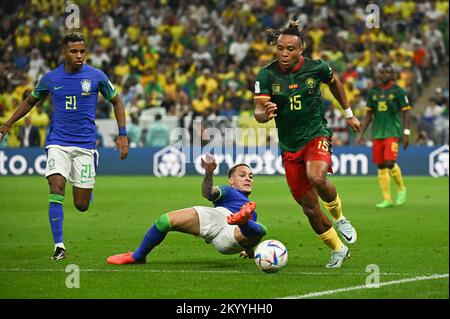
[
  {"x": 334, "y": 208},
  {"x": 331, "y": 239},
  {"x": 396, "y": 174},
  {"x": 385, "y": 183}
]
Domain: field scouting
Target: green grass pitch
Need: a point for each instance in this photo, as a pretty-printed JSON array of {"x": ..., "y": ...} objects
[{"x": 407, "y": 243}]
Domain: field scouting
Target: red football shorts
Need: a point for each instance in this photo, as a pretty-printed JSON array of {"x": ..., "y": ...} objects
[
  {"x": 318, "y": 149},
  {"x": 384, "y": 150}
]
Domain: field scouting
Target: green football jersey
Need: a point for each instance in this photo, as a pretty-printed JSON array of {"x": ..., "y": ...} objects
[
  {"x": 300, "y": 116},
  {"x": 386, "y": 105}
]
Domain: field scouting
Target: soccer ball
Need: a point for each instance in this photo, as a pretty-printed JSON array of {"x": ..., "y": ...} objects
[{"x": 271, "y": 255}]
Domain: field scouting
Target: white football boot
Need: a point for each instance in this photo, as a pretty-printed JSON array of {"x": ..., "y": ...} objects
[
  {"x": 337, "y": 258},
  {"x": 347, "y": 231}
]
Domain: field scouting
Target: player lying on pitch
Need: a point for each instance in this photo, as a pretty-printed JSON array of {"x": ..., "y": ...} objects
[{"x": 229, "y": 233}]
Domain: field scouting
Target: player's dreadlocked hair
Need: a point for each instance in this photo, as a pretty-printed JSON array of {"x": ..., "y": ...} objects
[{"x": 293, "y": 28}]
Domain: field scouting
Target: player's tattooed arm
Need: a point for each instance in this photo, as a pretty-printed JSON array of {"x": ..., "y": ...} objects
[{"x": 209, "y": 191}]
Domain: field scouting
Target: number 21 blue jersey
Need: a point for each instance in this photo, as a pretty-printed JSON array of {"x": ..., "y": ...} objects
[{"x": 75, "y": 99}]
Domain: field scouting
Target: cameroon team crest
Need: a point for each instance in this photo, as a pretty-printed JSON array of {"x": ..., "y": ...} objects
[
  {"x": 86, "y": 87},
  {"x": 310, "y": 82}
]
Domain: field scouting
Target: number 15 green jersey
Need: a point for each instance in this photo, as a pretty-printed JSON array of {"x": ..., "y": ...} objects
[
  {"x": 300, "y": 116},
  {"x": 387, "y": 104}
]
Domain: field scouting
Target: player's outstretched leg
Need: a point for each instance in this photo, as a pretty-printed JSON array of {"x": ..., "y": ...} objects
[
  {"x": 154, "y": 237},
  {"x": 243, "y": 215},
  {"x": 122, "y": 259}
]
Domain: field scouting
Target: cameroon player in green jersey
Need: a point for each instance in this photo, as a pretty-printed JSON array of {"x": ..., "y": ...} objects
[
  {"x": 288, "y": 90},
  {"x": 388, "y": 106}
]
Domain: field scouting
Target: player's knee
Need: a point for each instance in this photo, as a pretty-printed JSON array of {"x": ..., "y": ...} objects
[
  {"x": 317, "y": 181},
  {"x": 82, "y": 205},
  {"x": 57, "y": 184},
  {"x": 163, "y": 223},
  {"x": 56, "y": 188}
]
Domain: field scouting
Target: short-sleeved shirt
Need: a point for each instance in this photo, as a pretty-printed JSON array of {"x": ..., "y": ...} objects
[
  {"x": 386, "y": 104},
  {"x": 232, "y": 199},
  {"x": 75, "y": 99},
  {"x": 300, "y": 115}
]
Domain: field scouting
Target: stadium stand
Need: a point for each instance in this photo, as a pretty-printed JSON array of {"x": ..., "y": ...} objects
[{"x": 199, "y": 58}]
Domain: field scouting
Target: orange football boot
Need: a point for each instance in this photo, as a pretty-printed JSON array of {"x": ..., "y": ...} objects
[
  {"x": 122, "y": 259},
  {"x": 243, "y": 215}
]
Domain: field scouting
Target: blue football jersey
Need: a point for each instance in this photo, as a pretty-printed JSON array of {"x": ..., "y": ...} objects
[
  {"x": 75, "y": 99},
  {"x": 232, "y": 199}
]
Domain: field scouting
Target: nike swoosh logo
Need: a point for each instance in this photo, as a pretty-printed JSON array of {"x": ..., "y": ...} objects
[
  {"x": 55, "y": 219},
  {"x": 348, "y": 238},
  {"x": 84, "y": 182},
  {"x": 58, "y": 87}
]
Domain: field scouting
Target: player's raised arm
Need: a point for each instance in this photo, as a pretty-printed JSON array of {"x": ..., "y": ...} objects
[
  {"x": 122, "y": 139},
  {"x": 337, "y": 89},
  {"x": 209, "y": 191},
  {"x": 23, "y": 109}
]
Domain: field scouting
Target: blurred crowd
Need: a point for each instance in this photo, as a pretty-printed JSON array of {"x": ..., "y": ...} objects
[{"x": 200, "y": 58}]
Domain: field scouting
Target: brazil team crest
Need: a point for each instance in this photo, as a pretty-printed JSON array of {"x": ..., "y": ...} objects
[
  {"x": 310, "y": 83},
  {"x": 51, "y": 164},
  {"x": 86, "y": 87}
]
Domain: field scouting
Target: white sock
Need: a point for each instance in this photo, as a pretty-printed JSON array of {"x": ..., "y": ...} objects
[{"x": 60, "y": 245}]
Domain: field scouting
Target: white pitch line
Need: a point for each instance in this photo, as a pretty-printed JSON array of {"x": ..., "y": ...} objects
[
  {"x": 387, "y": 283},
  {"x": 131, "y": 270}
]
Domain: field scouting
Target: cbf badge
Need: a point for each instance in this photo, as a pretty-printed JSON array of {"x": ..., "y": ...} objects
[
  {"x": 51, "y": 164},
  {"x": 310, "y": 83},
  {"x": 86, "y": 87}
]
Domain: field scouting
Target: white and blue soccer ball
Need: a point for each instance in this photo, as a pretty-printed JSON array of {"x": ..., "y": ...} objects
[{"x": 271, "y": 255}]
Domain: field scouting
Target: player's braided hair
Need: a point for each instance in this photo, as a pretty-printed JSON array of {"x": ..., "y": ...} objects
[{"x": 294, "y": 28}]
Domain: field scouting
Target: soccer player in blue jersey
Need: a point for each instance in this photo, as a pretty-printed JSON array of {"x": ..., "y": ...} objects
[
  {"x": 229, "y": 233},
  {"x": 70, "y": 144}
]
